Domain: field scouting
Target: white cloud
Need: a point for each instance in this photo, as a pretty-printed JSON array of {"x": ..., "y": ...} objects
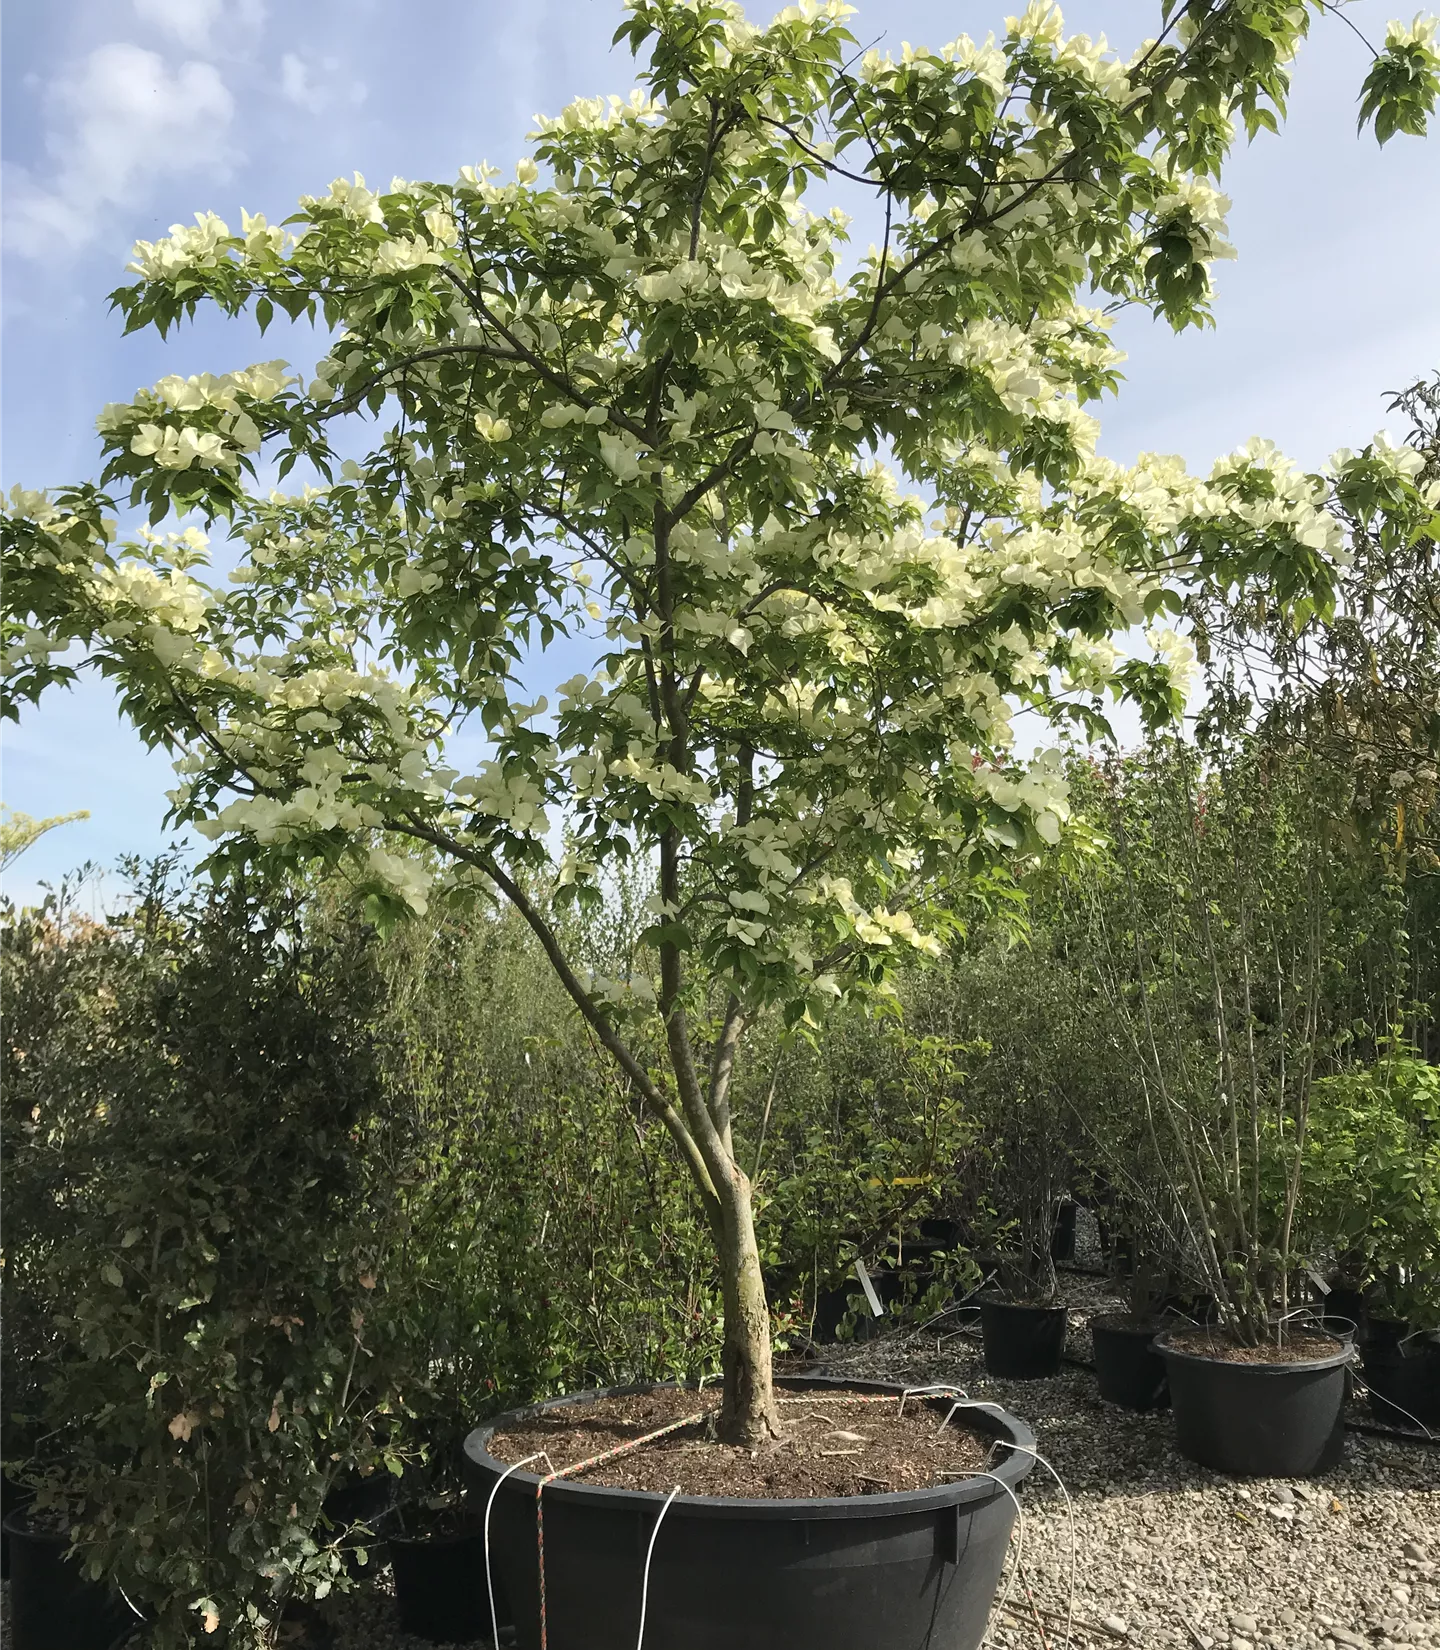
[
  {"x": 118, "y": 123},
  {"x": 301, "y": 88},
  {"x": 295, "y": 82},
  {"x": 298, "y": 85},
  {"x": 190, "y": 21},
  {"x": 194, "y": 22}
]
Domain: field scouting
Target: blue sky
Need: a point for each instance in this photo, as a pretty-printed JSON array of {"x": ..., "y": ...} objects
[{"x": 121, "y": 117}]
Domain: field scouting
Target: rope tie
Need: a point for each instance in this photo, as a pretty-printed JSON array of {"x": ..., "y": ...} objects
[
  {"x": 489, "y": 1503},
  {"x": 583, "y": 1466},
  {"x": 645, "y": 1578}
]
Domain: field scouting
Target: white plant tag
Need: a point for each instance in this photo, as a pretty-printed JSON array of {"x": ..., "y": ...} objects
[
  {"x": 869, "y": 1289},
  {"x": 1317, "y": 1280}
]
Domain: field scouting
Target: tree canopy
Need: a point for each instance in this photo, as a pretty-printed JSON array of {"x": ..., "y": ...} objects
[{"x": 824, "y": 525}]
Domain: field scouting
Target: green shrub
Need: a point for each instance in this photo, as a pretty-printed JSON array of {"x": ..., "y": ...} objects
[
  {"x": 1372, "y": 1181},
  {"x": 183, "y": 1135}
]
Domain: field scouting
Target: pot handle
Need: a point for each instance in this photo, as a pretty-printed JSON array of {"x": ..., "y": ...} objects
[{"x": 948, "y": 1534}]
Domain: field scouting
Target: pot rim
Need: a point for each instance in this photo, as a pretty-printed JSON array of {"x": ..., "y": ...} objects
[
  {"x": 449, "y": 1538},
  {"x": 1011, "y": 1469},
  {"x": 998, "y": 1299},
  {"x": 17, "y": 1522},
  {"x": 1411, "y": 1349},
  {"x": 1153, "y": 1324},
  {"x": 1341, "y": 1355}
]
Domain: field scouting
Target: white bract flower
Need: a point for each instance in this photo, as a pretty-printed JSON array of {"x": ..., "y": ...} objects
[
  {"x": 403, "y": 254},
  {"x": 405, "y": 876},
  {"x": 262, "y": 240},
  {"x": 490, "y": 428},
  {"x": 1206, "y": 209},
  {"x": 621, "y": 453},
  {"x": 1177, "y": 654},
  {"x": 1420, "y": 31},
  {"x": 197, "y": 246},
  {"x": 178, "y": 449},
  {"x": 1043, "y": 24}
]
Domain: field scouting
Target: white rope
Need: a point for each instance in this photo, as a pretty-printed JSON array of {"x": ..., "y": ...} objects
[
  {"x": 975, "y": 1403},
  {"x": 1074, "y": 1542},
  {"x": 489, "y": 1503},
  {"x": 1023, "y": 1449},
  {"x": 1366, "y": 1387},
  {"x": 940, "y": 1390},
  {"x": 962, "y": 1401},
  {"x": 130, "y": 1601},
  {"x": 1019, "y": 1550},
  {"x": 645, "y": 1582}
]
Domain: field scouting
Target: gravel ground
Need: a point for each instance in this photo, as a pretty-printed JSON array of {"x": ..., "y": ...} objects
[{"x": 1168, "y": 1553}]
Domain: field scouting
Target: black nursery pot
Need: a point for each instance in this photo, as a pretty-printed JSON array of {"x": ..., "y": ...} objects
[
  {"x": 910, "y": 1571},
  {"x": 53, "y": 1605},
  {"x": 363, "y": 1501},
  {"x": 1342, "y": 1302},
  {"x": 938, "y": 1235},
  {"x": 1384, "y": 1333},
  {"x": 440, "y": 1590},
  {"x": 1257, "y": 1420},
  {"x": 1128, "y": 1370},
  {"x": 1022, "y": 1342},
  {"x": 14, "y": 1496},
  {"x": 1196, "y": 1308},
  {"x": 1404, "y": 1383},
  {"x": 831, "y": 1305},
  {"x": 1062, "y": 1238}
]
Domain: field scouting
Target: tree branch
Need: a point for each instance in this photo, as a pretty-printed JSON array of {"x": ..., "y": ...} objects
[{"x": 582, "y": 999}]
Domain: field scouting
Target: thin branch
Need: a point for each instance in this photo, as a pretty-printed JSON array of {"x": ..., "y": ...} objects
[{"x": 582, "y": 999}]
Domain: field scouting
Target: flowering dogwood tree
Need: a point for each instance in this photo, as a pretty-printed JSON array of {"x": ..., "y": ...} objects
[{"x": 635, "y": 399}]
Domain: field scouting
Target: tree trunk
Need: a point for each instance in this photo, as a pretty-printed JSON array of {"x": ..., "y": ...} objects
[{"x": 748, "y": 1416}]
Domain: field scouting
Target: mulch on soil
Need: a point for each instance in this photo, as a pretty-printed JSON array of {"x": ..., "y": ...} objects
[
  {"x": 832, "y": 1446},
  {"x": 1214, "y": 1343}
]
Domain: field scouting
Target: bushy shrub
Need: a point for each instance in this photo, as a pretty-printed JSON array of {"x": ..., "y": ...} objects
[
  {"x": 867, "y": 1133},
  {"x": 182, "y": 1135},
  {"x": 1372, "y": 1181},
  {"x": 59, "y": 973},
  {"x": 546, "y": 1237}
]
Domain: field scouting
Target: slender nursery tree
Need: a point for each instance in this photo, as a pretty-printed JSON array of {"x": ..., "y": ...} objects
[{"x": 637, "y": 410}]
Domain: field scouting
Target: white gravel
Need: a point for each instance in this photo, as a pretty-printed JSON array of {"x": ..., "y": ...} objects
[{"x": 1169, "y": 1554}]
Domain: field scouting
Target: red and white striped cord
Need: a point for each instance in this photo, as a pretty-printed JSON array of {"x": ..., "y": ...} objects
[{"x": 489, "y": 1503}]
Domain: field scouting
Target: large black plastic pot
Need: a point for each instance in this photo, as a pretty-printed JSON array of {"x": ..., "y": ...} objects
[
  {"x": 1022, "y": 1343},
  {"x": 356, "y": 1508},
  {"x": 13, "y": 1497},
  {"x": 937, "y": 1235},
  {"x": 440, "y": 1590},
  {"x": 1344, "y": 1302},
  {"x": 1062, "y": 1237},
  {"x": 1404, "y": 1383},
  {"x": 53, "y": 1606},
  {"x": 911, "y": 1571},
  {"x": 1258, "y": 1420},
  {"x": 1385, "y": 1333},
  {"x": 1128, "y": 1369}
]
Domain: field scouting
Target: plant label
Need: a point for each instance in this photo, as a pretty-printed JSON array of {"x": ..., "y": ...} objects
[{"x": 869, "y": 1289}]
